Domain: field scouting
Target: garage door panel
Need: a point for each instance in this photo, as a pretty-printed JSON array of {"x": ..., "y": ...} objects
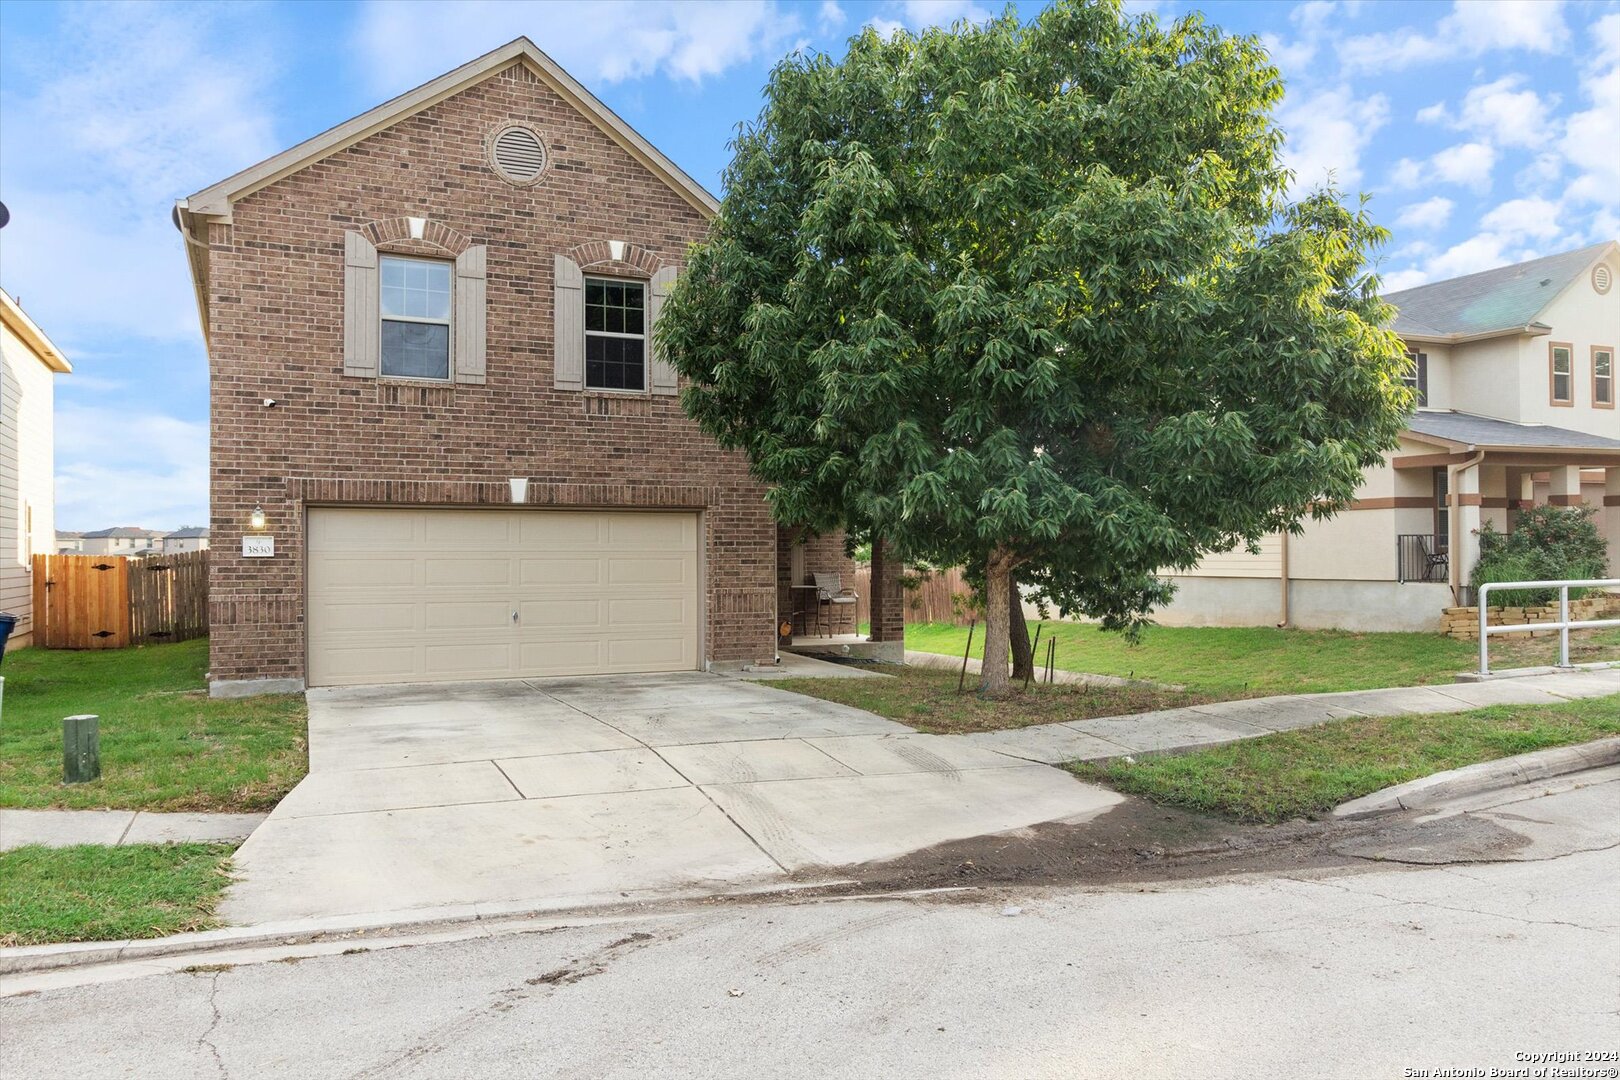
[
  {"x": 466, "y": 615},
  {"x": 559, "y": 571},
  {"x": 554, "y": 614},
  {"x": 595, "y": 591},
  {"x": 467, "y": 570},
  {"x": 339, "y": 572},
  {"x": 367, "y": 618},
  {"x": 646, "y": 570},
  {"x": 558, "y": 529}
]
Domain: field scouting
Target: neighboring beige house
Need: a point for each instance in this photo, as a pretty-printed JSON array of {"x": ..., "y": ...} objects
[
  {"x": 1515, "y": 369},
  {"x": 69, "y": 542},
  {"x": 123, "y": 540},
  {"x": 189, "y": 538},
  {"x": 29, "y": 364}
]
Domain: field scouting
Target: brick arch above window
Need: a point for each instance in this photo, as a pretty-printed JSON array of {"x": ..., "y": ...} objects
[
  {"x": 598, "y": 254},
  {"x": 398, "y": 232}
]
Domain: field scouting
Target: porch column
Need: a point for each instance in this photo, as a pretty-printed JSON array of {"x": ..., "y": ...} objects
[
  {"x": 1609, "y": 517},
  {"x": 887, "y": 601},
  {"x": 1565, "y": 483},
  {"x": 1493, "y": 490},
  {"x": 1465, "y": 508}
]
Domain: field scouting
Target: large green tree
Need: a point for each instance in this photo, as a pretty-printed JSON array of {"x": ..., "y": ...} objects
[{"x": 1032, "y": 297}]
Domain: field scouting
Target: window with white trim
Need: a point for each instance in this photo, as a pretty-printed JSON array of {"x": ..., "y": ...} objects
[
  {"x": 1416, "y": 377},
  {"x": 416, "y": 308},
  {"x": 1562, "y": 362},
  {"x": 615, "y": 334},
  {"x": 1603, "y": 376}
]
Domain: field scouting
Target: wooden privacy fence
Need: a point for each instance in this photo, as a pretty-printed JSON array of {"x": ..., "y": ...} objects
[
  {"x": 114, "y": 601},
  {"x": 942, "y": 596}
]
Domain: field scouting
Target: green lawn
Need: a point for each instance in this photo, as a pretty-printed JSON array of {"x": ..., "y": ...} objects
[
  {"x": 926, "y": 698},
  {"x": 92, "y": 893},
  {"x": 1302, "y": 773},
  {"x": 1254, "y": 662},
  {"x": 165, "y": 745}
]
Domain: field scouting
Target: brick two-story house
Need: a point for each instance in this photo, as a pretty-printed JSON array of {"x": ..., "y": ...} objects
[{"x": 443, "y": 446}]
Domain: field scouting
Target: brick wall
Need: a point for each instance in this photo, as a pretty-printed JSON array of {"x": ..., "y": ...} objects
[{"x": 276, "y": 305}]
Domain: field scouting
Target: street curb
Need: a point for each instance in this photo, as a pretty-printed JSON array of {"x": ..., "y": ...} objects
[
  {"x": 1432, "y": 791},
  {"x": 32, "y": 959}
]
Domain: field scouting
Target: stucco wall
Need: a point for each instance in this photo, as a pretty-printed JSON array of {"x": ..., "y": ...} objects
[{"x": 1369, "y": 606}]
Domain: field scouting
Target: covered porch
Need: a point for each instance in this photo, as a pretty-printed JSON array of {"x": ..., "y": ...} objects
[{"x": 1488, "y": 470}]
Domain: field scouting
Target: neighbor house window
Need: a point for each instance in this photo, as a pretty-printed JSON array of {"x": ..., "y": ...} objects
[
  {"x": 415, "y": 318},
  {"x": 1603, "y": 376},
  {"x": 1562, "y": 363},
  {"x": 615, "y": 334},
  {"x": 1417, "y": 375}
]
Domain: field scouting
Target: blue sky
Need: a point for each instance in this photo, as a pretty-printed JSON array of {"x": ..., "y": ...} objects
[{"x": 1486, "y": 133}]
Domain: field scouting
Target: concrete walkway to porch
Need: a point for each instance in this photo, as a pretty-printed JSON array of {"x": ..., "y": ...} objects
[{"x": 1227, "y": 721}]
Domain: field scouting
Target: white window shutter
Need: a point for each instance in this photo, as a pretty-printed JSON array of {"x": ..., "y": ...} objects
[
  {"x": 362, "y": 313},
  {"x": 469, "y": 315},
  {"x": 663, "y": 372},
  {"x": 568, "y": 320}
]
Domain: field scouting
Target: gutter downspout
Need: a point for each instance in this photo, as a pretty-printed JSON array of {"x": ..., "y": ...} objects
[
  {"x": 1282, "y": 623},
  {"x": 1454, "y": 508}
]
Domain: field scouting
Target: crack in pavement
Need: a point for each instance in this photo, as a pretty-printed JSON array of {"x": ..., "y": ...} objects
[
  {"x": 205, "y": 1040},
  {"x": 1447, "y": 907}
]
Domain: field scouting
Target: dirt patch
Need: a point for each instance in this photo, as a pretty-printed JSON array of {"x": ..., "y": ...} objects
[{"x": 1139, "y": 843}]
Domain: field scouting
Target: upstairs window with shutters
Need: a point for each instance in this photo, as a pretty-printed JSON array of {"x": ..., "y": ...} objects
[{"x": 415, "y": 340}]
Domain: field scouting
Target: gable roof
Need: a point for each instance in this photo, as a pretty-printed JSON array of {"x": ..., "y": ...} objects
[
  {"x": 17, "y": 321},
  {"x": 190, "y": 532},
  {"x": 1503, "y": 300},
  {"x": 216, "y": 200}
]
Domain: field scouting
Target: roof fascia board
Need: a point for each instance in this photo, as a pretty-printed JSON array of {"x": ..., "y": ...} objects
[
  {"x": 216, "y": 201},
  {"x": 28, "y": 331},
  {"x": 1530, "y": 330}
]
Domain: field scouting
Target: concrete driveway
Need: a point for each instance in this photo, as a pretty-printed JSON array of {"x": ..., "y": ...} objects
[{"x": 574, "y": 791}]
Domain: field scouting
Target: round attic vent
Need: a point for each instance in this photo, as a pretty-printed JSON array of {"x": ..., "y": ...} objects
[
  {"x": 517, "y": 154},
  {"x": 1602, "y": 278}
]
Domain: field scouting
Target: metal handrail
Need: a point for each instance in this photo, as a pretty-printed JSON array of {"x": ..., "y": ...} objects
[{"x": 1563, "y": 625}]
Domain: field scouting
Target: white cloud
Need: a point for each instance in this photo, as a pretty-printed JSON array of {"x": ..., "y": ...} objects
[
  {"x": 405, "y": 43},
  {"x": 1428, "y": 214},
  {"x": 1406, "y": 173},
  {"x": 921, "y": 13},
  {"x": 1467, "y": 164},
  {"x": 1433, "y": 114},
  {"x": 1288, "y": 55},
  {"x": 1524, "y": 219},
  {"x": 1472, "y": 28},
  {"x": 1591, "y": 141},
  {"x": 1397, "y": 280},
  {"x": 830, "y": 16},
  {"x": 155, "y": 104},
  {"x": 115, "y": 467},
  {"x": 1327, "y": 132},
  {"x": 1507, "y": 114}
]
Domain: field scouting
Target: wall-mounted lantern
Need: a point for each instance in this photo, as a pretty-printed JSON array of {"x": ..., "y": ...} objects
[{"x": 256, "y": 520}]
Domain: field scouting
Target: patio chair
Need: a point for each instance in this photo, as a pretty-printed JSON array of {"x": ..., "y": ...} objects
[
  {"x": 1436, "y": 559},
  {"x": 831, "y": 599}
]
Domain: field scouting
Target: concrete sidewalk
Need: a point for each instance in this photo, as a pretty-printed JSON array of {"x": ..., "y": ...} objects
[
  {"x": 63, "y": 828},
  {"x": 1227, "y": 721}
]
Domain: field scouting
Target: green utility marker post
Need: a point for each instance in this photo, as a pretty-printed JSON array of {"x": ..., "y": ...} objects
[{"x": 81, "y": 749}]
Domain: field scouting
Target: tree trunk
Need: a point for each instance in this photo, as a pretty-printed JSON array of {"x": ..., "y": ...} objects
[
  {"x": 997, "y": 577},
  {"x": 1023, "y": 656}
]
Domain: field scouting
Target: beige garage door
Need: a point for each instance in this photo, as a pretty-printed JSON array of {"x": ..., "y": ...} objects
[{"x": 432, "y": 595}]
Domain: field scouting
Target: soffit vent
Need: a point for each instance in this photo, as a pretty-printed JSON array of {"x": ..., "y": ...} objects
[
  {"x": 518, "y": 155},
  {"x": 1602, "y": 278}
]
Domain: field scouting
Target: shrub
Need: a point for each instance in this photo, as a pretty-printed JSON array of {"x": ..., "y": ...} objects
[{"x": 1547, "y": 543}]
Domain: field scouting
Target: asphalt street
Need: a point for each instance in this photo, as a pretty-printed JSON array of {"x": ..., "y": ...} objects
[{"x": 1433, "y": 962}]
